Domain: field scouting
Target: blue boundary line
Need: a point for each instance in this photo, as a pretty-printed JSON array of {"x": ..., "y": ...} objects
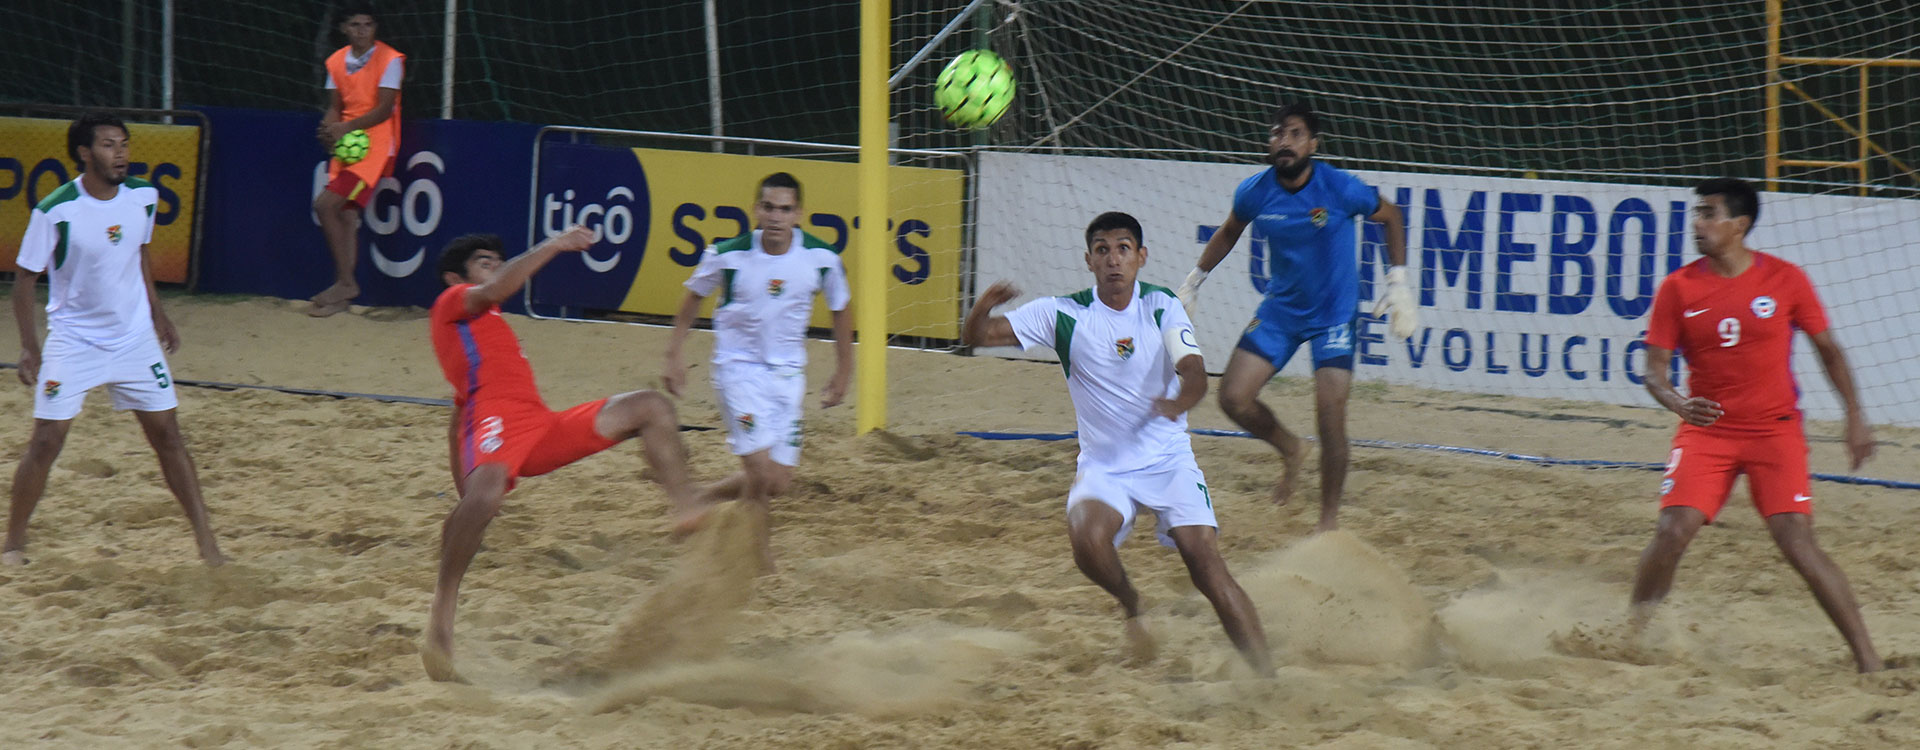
[{"x": 1592, "y": 463}]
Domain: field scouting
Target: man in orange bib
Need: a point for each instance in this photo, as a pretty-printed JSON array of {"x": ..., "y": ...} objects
[{"x": 363, "y": 93}]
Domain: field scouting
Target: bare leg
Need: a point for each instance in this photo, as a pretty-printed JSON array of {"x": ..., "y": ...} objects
[
  {"x": 459, "y": 539},
  {"x": 1091, "y": 526},
  {"x": 1331, "y": 386},
  {"x": 1199, "y": 549},
  {"x": 340, "y": 223},
  {"x": 733, "y": 487},
  {"x": 1654, "y": 578},
  {"x": 30, "y": 483},
  {"x": 766, "y": 478},
  {"x": 1794, "y": 533},
  {"x": 176, "y": 464},
  {"x": 651, "y": 417},
  {"x": 1240, "y": 387}
]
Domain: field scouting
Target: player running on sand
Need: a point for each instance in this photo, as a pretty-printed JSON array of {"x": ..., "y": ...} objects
[{"x": 1132, "y": 371}]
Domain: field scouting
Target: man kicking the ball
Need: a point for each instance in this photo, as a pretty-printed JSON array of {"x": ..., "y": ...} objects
[
  {"x": 1133, "y": 371},
  {"x": 502, "y": 430}
]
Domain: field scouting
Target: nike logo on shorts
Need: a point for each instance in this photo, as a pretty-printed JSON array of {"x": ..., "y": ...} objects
[
  {"x": 1691, "y": 313},
  {"x": 1802, "y": 498}
]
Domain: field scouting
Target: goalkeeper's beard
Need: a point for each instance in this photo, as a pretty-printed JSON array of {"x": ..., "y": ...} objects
[{"x": 1291, "y": 171}]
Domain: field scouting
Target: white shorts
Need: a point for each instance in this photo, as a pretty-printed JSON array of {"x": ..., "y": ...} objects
[
  {"x": 1174, "y": 489},
  {"x": 135, "y": 374},
  {"x": 762, "y": 406}
]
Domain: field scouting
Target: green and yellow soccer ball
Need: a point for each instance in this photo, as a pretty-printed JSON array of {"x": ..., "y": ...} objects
[
  {"x": 352, "y": 147},
  {"x": 975, "y": 89}
]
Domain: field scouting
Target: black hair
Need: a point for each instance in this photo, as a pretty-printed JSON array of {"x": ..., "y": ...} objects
[
  {"x": 1300, "y": 110},
  {"x": 453, "y": 260},
  {"x": 1738, "y": 195},
  {"x": 349, "y": 10},
  {"x": 779, "y": 180},
  {"x": 1115, "y": 220},
  {"x": 80, "y": 133}
]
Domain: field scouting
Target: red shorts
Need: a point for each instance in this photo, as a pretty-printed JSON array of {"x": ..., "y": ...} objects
[
  {"x": 529, "y": 439},
  {"x": 1704, "y": 463},
  {"x": 348, "y": 185}
]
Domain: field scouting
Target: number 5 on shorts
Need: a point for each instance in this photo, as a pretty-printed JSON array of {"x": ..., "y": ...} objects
[{"x": 160, "y": 374}]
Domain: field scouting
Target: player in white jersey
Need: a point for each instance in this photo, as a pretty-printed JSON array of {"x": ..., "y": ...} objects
[
  {"x": 1133, "y": 371},
  {"x": 766, "y": 280},
  {"x": 105, "y": 325}
]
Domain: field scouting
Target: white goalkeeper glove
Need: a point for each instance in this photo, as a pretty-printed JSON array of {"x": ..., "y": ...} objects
[
  {"x": 1403, "y": 316},
  {"x": 1189, "y": 292}
]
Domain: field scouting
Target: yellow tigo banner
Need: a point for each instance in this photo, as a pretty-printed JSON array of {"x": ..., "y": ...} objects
[
  {"x": 34, "y": 162},
  {"x": 703, "y": 198}
]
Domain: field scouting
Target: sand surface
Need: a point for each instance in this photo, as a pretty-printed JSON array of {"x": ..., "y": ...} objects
[{"x": 927, "y": 597}]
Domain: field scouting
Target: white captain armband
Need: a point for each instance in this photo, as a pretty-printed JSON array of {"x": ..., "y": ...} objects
[{"x": 1180, "y": 343}]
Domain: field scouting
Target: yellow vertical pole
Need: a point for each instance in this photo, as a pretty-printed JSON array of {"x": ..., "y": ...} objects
[
  {"x": 1773, "y": 93},
  {"x": 1866, "y": 173},
  {"x": 870, "y": 240}
]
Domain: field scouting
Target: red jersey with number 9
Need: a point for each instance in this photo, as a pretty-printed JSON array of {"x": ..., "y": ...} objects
[{"x": 1737, "y": 336}]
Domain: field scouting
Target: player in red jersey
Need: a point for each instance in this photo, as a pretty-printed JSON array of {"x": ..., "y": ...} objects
[
  {"x": 502, "y": 431},
  {"x": 1733, "y": 314}
]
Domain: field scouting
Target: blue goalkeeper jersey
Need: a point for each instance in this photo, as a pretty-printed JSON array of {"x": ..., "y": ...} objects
[{"x": 1303, "y": 244}]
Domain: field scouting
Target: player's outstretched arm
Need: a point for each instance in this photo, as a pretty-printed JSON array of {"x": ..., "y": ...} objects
[
  {"x": 983, "y": 328},
  {"x": 1696, "y": 410},
  {"x": 1218, "y": 246},
  {"x": 1840, "y": 374},
  {"x": 507, "y": 281}
]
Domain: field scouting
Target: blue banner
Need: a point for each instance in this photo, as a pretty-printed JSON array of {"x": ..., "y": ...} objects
[{"x": 450, "y": 178}]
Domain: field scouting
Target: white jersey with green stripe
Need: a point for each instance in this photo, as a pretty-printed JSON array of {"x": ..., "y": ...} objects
[
  {"x": 766, "y": 300},
  {"x": 1116, "y": 365},
  {"x": 90, "y": 250}
]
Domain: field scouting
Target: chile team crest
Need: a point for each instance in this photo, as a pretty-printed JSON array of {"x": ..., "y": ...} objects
[
  {"x": 113, "y": 234},
  {"x": 1319, "y": 216},
  {"x": 1124, "y": 347},
  {"x": 775, "y": 287}
]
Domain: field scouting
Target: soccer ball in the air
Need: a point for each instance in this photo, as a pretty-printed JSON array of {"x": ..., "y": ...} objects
[
  {"x": 975, "y": 89},
  {"x": 352, "y": 147}
]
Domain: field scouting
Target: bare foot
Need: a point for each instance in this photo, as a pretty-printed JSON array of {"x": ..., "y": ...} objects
[
  {"x": 437, "y": 657},
  {"x": 1292, "y": 457},
  {"x": 336, "y": 294},
  {"x": 214, "y": 559},
  {"x": 327, "y": 309},
  {"x": 1327, "y": 523},
  {"x": 1140, "y": 645},
  {"x": 13, "y": 558},
  {"x": 689, "y": 519}
]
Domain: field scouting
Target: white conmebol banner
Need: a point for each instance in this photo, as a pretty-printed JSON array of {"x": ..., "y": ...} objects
[{"x": 1527, "y": 287}]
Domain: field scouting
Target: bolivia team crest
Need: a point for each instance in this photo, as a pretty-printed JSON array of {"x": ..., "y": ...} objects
[
  {"x": 1124, "y": 347},
  {"x": 1319, "y": 216},
  {"x": 52, "y": 387},
  {"x": 775, "y": 287},
  {"x": 746, "y": 422},
  {"x": 113, "y": 234}
]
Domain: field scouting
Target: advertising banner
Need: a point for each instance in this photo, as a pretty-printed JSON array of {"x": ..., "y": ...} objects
[{"x": 654, "y": 212}]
